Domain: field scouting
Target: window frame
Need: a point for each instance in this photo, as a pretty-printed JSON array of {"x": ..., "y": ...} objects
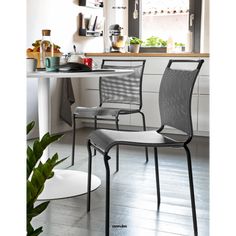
[{"x": 195, "y": 7}]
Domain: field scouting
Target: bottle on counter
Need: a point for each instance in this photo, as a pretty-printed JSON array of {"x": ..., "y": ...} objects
[
  {"x": 45, "y": 47},
  {"x": 170, "y": 45}
]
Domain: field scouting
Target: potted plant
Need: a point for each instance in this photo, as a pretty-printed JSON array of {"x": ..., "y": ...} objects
[
  {"x": 180, "y": 47},
  {"x": 37, "y": 174},
  {"x": 155, "y": 44},
  {"x": 135, "y": 44}
]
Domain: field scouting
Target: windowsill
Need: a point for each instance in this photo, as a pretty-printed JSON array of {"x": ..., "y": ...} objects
[{"x": 147, "y": 54}]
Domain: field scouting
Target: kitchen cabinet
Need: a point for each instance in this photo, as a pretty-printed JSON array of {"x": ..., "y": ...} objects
[
  {"x": 204, "y": 84},
  {"x": 153, "y": 72},
  {"x": 204, "y": 98},
  {"x": 203, "y": 113}
]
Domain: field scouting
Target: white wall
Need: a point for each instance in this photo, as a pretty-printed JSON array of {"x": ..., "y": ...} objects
[{"x": 61, "y": 16}]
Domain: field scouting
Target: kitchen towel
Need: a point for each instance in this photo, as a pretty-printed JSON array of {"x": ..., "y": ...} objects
[{"x": 67, "y": 99}]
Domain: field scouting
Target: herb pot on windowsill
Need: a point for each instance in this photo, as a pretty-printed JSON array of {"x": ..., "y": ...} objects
[
  {"x": 134, "y": 48},
  {"x": 135, "y": 44}
]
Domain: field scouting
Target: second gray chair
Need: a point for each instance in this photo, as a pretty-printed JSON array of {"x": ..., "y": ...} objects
[{"x": 117, "y": 90}]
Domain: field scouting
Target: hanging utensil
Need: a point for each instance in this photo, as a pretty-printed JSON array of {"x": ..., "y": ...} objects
[{"x": 135, "y": 13}]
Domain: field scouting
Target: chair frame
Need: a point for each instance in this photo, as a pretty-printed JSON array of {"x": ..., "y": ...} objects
[
  {"x": 106, "y": 157},
  {"x": 116, "y": 119}
]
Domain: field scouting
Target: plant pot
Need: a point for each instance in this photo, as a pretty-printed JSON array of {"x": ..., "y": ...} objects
[
  {"x": 134, "y": 48},
  {"x": 180, "y": 49},
  {"x": 153, "y": 49}
]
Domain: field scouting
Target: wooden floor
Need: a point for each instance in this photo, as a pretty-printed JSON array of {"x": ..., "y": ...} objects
[{"x": 133, "y": 193}]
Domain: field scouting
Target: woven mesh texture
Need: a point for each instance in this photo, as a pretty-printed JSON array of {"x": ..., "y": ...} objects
[
  {"x": 175, "y": 98},
  {"x": 122, "y": 89}
]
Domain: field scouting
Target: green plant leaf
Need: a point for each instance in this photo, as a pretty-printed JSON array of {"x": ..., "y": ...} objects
[
  {"x": 32, "y": 232},
  {"x": 155, "y": 41},
  {"x": 39, "y": 177},
  {"x": 30, "y": 229},
  {"x": 37, "y": 181},
  {"x": 37, "y": 210},
  {"x": 31, "y": 161},
  {"x": 38, "y": 149},
  {"x": 179, "y": 44},
  {"x": 37, "y": 174},
  {"x": 48, "y": 139},
  {"x": 31, "y": 191},
  {"x": 63, "y": 159},
  {"x": 135, "y": 40},
  {"x": 30, "y": 126}
]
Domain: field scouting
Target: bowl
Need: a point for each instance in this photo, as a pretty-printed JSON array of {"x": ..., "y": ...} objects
[{"x": 118, "y": 41}]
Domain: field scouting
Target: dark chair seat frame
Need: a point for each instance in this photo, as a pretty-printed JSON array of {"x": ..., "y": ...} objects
[
  {"x": 112, "y": 114},
  {"x": 171, "y": 110}
]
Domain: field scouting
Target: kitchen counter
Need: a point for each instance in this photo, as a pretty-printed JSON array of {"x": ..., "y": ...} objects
[{"x": 128, "y": 54}]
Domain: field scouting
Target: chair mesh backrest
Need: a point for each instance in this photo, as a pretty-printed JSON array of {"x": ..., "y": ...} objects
[
  {"x": 125, "y": 89},
  {"x": 175, "y": 96}
]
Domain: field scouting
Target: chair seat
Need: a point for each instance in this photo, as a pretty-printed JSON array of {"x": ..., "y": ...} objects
[
  {"x": 101, "y": 111},
  {"x": 105, "y": 139}
]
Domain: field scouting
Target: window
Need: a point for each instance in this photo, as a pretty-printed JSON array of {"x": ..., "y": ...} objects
[{"x": 158, "y": 21}]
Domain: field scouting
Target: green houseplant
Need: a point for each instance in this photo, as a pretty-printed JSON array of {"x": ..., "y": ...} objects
[
  {"x": 37, "y": 174},
  {"x": 135, "y": 44},
  {"x": 180, "y": 46},
  {"x": 156, "y": 44},
  {"x": 154, "y": 41}
]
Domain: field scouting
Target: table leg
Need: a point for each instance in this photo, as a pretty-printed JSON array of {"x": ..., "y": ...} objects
[
  {"x": 44, "y": 110},
  {"x": 65, "y": 183}
]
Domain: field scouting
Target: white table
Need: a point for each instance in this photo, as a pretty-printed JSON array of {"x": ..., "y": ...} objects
[{"x": 65, "y": 183}]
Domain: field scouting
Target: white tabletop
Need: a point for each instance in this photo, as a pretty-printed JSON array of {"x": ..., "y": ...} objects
[{"x": 45, "y": 74}]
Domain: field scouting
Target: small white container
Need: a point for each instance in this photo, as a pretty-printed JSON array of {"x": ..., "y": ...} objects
[
  {"x": 31, "y": 64},
  {"x": 76, "y": 57}
]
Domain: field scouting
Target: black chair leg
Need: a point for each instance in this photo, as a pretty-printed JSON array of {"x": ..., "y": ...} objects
[
  {"x": 190, "y": 174},
  {"x": 73, "y": 142},
  {"x": 95, "y": 127},
  {"x": 117, "y": 158},
  {"x": 144, "y": 128},
  {"x": 107, "y": 213},
  {"x": 89, "y": 175},
  {"x": 117, "y": 147},
  {"x": 157, "y": 178}
]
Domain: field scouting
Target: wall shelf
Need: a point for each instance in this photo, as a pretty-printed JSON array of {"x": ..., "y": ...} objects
[
  {"x": 90, "y": 33},
  {"x": 91, "y": 3},
  {"x": 88, "y": 26}
]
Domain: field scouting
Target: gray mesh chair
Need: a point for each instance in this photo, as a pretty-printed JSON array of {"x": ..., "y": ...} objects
[
  {"x": 117, "y": 90},
  {"x": 175, "y": 110}
]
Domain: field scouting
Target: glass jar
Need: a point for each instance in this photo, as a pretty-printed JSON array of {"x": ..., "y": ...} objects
[{"x": 45, "y": 46}]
